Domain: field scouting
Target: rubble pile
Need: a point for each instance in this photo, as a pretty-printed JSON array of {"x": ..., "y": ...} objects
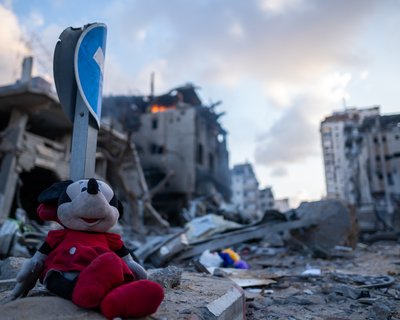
[{"x": 283, "y": 277}]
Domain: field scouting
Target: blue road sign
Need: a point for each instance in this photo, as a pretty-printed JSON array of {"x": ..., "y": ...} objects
[{"x": 89, "y": 67}]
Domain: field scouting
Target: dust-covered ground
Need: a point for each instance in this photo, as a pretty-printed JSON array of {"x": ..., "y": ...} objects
[
  {"x": 360, "y": 284},
  {"x": 282, "y": 283}
]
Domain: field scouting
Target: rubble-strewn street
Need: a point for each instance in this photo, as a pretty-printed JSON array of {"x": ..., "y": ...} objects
[
  {"x": 359, "y": 284},
  {"x": 282, "y": 283}
]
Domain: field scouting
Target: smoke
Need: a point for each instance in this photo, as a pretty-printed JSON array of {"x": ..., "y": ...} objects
[{"x": 12, "y": 49}]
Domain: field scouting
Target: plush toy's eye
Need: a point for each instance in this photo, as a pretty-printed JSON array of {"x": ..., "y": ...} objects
[{"x": 83, "y": 189}]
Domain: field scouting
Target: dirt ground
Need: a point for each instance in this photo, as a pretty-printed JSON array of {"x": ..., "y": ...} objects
[{"x": 360, "y": 284}]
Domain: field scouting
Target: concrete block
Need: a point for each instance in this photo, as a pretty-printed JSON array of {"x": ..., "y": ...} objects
[{"x": 228, "y": 307}]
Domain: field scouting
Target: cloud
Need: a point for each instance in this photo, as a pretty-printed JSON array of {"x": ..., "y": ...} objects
[
  {"x": 12, "y": 49},
  {"x": 364, "y": 75},
  {"x": 290, "y": 139},
  {"x": 294, "y": 137},
  {"x": 278, "y": 6},
  {"x": 241, "y": 40},
  {"x": 291, "y": 48},
  {"x": 279, "y": 172}
]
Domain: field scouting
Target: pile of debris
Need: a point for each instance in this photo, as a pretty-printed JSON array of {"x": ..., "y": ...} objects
[{"x": 284, "y": 274}]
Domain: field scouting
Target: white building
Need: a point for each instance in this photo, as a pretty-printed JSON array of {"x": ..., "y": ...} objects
[
  {"x": 282, "y": 205},
  {"x": 245, "y": 194},
  {"x": 266, "y": 199},
  {"x": 339, "y": 134}
]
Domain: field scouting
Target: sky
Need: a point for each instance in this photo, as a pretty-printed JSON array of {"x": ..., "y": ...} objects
[{"x": 279, "y": 66}]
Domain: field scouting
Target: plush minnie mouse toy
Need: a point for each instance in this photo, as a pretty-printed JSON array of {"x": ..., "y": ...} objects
[{"x": 84, "y": 262}]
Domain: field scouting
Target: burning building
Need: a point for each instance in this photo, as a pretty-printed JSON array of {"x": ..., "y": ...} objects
[{"x": 177, "y": 136}]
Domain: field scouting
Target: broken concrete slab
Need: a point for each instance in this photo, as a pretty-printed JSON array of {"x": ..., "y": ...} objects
[
  {"x": 336, "y": 225},
  {"x": 228, "y": 239},
  {"x": 245, "y": 278}
]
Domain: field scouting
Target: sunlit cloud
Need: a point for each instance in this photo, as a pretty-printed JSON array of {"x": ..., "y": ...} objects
[
  {"x": 12, "y": 48},
  {"x": 364, "y": 75}
]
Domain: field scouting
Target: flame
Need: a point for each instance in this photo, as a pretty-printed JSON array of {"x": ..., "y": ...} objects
[{"x": 159, "y": 108}]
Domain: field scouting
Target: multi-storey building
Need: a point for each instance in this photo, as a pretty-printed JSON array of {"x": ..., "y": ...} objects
[
  {"x": 176, "y": 135},
  {"x": 362, "y": 160},
  {"x": 381, "y": 163},
  {"x": 339, "y": 134},
  {"x": 266, "y": 199},
  {"x": 245, "y": 194}
]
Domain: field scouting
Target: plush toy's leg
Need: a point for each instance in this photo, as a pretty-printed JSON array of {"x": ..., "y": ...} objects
[
  {"x": 95, "y": 281},
  {"x": 132, "y": 300},
  {"x": 56, "y": 283}
]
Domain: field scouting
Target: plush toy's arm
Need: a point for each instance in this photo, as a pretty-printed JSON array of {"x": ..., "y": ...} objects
[
  {"x": 135, "y": 267},
  {"x": 122, "y": 251},
  {"x": 28, "y": 275}
]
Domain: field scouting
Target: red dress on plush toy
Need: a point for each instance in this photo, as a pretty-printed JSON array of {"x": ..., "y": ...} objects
[{"x": 83, "y": 262}]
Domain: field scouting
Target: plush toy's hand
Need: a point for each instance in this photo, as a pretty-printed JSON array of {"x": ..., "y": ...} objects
[
  {"x": 135, "y": 267},
  {"x": 28, "y": 275}
]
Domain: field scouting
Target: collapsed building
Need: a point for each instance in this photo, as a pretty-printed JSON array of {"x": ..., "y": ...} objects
[
  {"x": 178, "y": 139},
  {"x": 34, "y": 143},
  {"x": 35, "y": 146}
]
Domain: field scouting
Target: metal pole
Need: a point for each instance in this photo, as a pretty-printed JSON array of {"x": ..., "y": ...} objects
[{"x": 84, "y": 143}]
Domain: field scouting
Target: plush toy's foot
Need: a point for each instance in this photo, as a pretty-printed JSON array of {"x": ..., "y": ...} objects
[
  {"x": 132, "y": 300},
  {"x": 102, "y": 275}
]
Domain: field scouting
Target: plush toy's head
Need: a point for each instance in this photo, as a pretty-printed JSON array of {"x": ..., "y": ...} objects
[{"x": 84, "y": 205}]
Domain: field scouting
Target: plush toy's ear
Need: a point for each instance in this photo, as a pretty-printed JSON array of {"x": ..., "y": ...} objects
[
  {"x": 118, "y": 204},
  {"x": 53, "y": 193},
  {"x": 120, "y": 209},
  {"x": 48, "y": 200}
]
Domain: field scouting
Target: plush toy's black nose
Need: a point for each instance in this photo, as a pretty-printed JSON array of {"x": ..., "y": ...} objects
[{"x": 92, "y": 186}]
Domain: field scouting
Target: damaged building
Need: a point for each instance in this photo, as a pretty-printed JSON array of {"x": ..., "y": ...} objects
[
  {"x": 178, "y": 138},
  {"x": 245, "y": 190},
  {"x": 35, "y": 144},
  {"x": 361, "y": 159}
]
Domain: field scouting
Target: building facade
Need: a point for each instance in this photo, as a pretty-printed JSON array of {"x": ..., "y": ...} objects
[
  {"x": 381, "y": 163},
  {"x": 245, "y": 193},
  {"x": 341, "y": 147},
  {"x": 266, "y": 199},
  {"x": 176, "y": 135},
  {"x": 361, "y": 150}
]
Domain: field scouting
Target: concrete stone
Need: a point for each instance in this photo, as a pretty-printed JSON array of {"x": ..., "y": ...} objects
[
  {"x": 169, "y": 277},
  {"x": 337, "y": 224},
  {"x": 10, "y": 267},
  {"x": 227, "y": 307},
  {"x": 46, "y": 308},
  {"x": 197, "y": 297}
]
